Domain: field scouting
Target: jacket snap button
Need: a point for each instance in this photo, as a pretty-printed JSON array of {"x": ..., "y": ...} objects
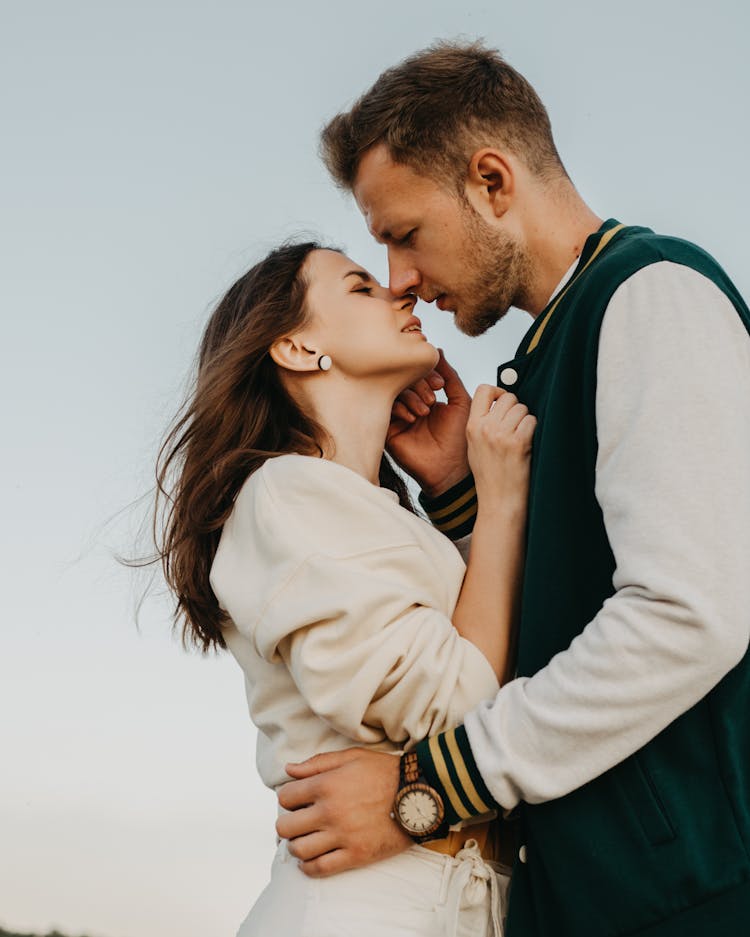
[
  {"x": 522, "y": 854},
  {"x": 508, "y": 376}
]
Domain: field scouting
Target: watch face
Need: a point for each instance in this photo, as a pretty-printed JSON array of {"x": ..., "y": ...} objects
[{"x": 418, "y": 810}]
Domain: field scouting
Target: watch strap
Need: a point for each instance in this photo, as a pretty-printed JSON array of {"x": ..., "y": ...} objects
[
  {"x": 409, "y": 769},
  {"x": 410, "y": 773}
]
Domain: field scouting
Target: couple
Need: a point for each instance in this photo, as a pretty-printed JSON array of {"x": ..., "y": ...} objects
[{"x": 578, "y": 691}]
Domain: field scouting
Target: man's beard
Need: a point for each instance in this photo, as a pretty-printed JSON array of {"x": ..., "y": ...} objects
[{"x": 499, "y": 274}]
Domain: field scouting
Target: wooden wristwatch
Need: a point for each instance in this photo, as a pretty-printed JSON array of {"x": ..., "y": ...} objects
[{"x": 418, "y": 808}]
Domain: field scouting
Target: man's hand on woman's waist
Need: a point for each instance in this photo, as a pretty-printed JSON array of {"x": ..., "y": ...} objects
[{"x": 340, "y": 811}]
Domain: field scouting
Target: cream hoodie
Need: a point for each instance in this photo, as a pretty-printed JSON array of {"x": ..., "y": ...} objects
[{"x": 341, "y": 604}]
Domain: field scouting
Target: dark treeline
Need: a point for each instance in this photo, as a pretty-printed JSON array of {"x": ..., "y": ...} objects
[{"x": 8, "y": 933}]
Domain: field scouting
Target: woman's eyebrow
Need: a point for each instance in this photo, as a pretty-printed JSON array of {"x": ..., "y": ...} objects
[{"x": 362, "y": 274}]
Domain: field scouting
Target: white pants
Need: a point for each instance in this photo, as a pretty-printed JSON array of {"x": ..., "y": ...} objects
[{"x": 418, "y": 893}]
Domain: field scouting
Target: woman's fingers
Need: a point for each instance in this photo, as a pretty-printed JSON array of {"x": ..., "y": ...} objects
[
  {"x": 504, "y": 410},
  {"x": 510, "y": 420},
  {"x": 485, "y": 399},
  {"x": 526, "y": 427},
  {"x": 497, "y": 416},
  {"x": 499, "y": 435}
]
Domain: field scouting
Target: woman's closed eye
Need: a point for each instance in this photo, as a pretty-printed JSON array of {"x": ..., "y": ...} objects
[{"x": 363, "y": 289}]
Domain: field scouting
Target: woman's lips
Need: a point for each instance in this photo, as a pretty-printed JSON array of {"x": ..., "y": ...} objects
[{"x": 413, "y": 324}]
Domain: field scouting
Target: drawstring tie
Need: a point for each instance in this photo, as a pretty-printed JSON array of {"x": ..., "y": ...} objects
[{"x": 468, "y": 886}]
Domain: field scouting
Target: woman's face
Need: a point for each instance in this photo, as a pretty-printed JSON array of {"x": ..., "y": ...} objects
[{"x": 366, "y": 331}]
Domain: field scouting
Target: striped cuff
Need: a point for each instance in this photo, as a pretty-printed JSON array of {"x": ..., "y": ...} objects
[
  {"x": 453, "y": 512},
  {"x": 447, "y": 764}
]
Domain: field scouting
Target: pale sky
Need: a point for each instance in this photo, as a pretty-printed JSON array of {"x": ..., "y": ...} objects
[{"x": 151, "y": 152}]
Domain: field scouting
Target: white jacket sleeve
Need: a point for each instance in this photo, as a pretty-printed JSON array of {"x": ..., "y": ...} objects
[{"x": 672, "y": 479}]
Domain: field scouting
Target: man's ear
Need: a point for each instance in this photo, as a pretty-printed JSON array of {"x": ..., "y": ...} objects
[
  {"x": 490, "y": 182},
  {"x": 292, "y": 354}
]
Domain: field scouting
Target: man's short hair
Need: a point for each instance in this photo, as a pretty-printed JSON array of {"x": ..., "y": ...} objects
[{"x": 436, "y": 108}]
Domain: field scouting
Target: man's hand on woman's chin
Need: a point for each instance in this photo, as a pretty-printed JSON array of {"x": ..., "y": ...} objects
[
  {"x": 340, "y": 805},
  {"x": 427, "y": 437}
]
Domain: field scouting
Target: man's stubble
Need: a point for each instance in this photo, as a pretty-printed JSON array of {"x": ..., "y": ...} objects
[{"x": 500, "y": 274}]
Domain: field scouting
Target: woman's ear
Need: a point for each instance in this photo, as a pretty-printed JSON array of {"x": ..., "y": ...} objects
[
  {"x": 490, "y": 182},
  {"x": 292, "y": 354}
]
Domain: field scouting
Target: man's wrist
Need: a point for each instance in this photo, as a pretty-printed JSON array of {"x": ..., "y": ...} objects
[
  {"x": 418, "y": 809},
  {"x": 447, "y": 482},
  {"x": 454, "y": 511},
  {"x": 447, "y": 764}
]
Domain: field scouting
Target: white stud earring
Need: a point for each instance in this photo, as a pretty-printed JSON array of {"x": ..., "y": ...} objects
[{"x": 324, "y": 363}]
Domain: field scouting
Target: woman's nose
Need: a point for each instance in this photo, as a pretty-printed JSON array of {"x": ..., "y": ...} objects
[{"x": 407, "y": 301}]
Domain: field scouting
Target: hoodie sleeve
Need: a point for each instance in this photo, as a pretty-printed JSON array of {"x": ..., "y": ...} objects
[{"x": 349, "y": 616}]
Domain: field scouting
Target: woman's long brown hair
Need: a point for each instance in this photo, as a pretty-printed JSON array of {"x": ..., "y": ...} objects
[{"x": 237, "y": 416}]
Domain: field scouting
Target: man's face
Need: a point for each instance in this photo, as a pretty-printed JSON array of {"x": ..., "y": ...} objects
[{"x": 438, "y": 246}]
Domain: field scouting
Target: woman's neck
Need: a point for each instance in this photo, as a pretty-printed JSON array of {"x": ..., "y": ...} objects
[{"x": 356, "y": 418}]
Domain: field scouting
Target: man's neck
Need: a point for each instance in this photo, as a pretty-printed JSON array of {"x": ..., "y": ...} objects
[{"x": 555, "y": 241}]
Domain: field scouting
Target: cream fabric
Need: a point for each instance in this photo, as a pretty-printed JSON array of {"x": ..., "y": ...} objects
[
  {"x": 415, "y": 894},
  {"x": 673, "y": 424},
  {"x": 340, "y": 603}
]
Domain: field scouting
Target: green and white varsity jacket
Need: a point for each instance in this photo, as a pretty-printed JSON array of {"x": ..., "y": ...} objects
[{"x": 624, "y": 740}]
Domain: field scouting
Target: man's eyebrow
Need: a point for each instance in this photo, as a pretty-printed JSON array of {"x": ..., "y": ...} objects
[
  {"x": 383, "y": 237},
  {"x": 362, "y": 274}
]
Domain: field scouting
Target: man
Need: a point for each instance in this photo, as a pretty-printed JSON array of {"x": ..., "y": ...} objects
[{"x": 623, "y": 741}]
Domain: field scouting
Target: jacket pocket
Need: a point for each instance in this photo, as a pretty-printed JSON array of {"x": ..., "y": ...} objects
[{"x": 641, "y": 793}]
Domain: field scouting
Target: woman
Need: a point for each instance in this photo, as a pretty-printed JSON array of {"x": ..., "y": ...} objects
[{"x": 290, "y": 539}]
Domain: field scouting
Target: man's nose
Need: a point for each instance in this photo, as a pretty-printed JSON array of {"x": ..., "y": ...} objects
[{"x": 401, "y": 277}]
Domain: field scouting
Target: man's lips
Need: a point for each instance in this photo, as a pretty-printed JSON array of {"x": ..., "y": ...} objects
[
  {"x": 442, "y": 301},
  {"x": 431, "y": 297}
]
